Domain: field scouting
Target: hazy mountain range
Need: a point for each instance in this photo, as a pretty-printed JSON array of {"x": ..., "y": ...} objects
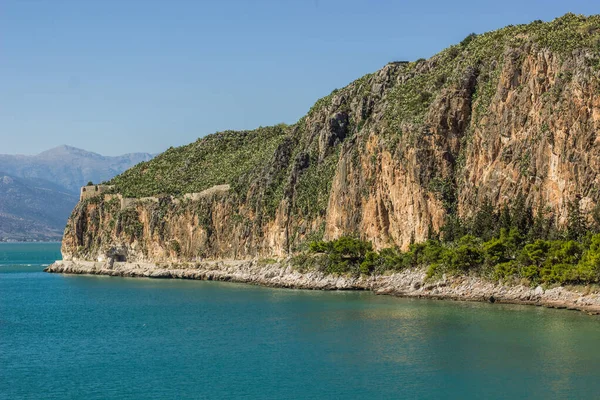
[{"x": 37, "y": 193}]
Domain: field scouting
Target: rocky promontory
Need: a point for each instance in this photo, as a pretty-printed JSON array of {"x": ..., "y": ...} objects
[
  {"x": 488, "y": 152},
  {"x": 392, "y": 157}
]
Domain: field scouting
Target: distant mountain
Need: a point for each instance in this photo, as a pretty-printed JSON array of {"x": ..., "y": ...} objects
[
  {"x": 37, "y": 193},
  {"x": 68, "y": 166},
  {"x": 33, "y": 209}
]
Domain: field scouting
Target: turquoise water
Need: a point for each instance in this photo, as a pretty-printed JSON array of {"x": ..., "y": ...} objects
[{"x": 86, "y": 337}]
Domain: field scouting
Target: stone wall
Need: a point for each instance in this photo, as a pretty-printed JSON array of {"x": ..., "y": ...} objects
[{"x": 90, "y": 191}]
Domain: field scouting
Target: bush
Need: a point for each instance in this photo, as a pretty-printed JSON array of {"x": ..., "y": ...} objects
[
  {"x": 588, "y": 268},
  {"x": 346, "y": 254},
  {"x": 503, "y": 257},
  {"x": 505, "y": 270},
  {"x": 370, "y": 262},
  {"x": 320, "y": 247},
  {"x": 465, "y": 42},
  {"x": 510, "y": 254},
  {"x": 176, "y": 247}
]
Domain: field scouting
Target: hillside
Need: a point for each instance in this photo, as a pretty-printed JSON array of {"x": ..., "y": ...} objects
[
  {"x": 38, "y": 193},
  {"x": 396, "y": 156}
]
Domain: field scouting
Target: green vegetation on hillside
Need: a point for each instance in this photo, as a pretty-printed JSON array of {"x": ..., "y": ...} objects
[
  {"x": 239, "y": 158},
  {"x": 512, "y": 244},
  {"x": 228, "y": 157},
  {"x": 345, "y": 254},
  {"x": 481, "y": 56},
  {"x": 314, "y": 186}
]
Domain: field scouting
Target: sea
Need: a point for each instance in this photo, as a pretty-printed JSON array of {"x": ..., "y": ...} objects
[{"x": 94, "y": 337}]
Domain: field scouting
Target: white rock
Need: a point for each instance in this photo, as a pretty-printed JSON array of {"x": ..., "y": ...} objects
[{"x": 538, "y": 291}]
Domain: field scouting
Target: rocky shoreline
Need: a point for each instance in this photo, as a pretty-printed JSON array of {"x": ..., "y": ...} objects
[{"x": 408, "y": 283}]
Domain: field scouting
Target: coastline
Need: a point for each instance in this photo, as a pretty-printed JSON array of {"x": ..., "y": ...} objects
[{"x": 408, "y": 283}]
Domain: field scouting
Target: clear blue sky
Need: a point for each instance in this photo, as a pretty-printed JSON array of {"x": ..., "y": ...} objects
[{"x": 116, "y": 76}]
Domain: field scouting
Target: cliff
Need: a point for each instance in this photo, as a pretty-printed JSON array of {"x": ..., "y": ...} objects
[{"x": 389, "y": 157}]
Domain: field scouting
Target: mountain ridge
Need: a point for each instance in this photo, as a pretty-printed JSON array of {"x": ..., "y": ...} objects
[
  {"x": 69, "y": 166},
  {"x": 38, "y": 192}
]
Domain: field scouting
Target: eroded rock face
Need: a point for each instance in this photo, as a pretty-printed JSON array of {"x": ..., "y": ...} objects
[
  {"x": 388, "y": 157},
  {"x": 540, "y": 135}
]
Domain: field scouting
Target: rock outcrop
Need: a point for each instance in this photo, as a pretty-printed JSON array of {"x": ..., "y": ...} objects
[{"x": 387, "y": 158}]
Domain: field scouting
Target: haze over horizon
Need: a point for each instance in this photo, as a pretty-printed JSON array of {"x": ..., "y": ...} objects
[
  {"x": 64, "y": 147},
  {"x": 140, "y": 76}
]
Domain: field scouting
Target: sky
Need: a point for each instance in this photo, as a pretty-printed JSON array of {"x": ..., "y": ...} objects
[{"x": 121, "y": 76}]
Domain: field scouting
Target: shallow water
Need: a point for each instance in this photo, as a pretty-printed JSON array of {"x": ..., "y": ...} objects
[{"x": 96, "y": 337}]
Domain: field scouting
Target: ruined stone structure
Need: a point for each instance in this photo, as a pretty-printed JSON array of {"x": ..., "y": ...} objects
[{"x": 90, "y": 191}]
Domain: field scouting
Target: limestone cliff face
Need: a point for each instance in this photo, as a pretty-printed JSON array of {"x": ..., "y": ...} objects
[
  {"x": 386, "y": 158},
  {"x": 541, "y": 134}
]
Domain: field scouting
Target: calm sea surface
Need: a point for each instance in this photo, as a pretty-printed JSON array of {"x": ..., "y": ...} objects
[{"x": 86, "y": 337}]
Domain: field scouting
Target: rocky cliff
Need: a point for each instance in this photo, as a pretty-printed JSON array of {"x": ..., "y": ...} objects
[{"x": 387, "y": 158}]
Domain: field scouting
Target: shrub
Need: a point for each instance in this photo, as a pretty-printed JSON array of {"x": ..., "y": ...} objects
[
  {"x": 588, "y": 268},
  {"x": 320, "y": 247},
  {"x": 465, "y": 42},
  {"x": 370, "y": 262},
  {"x": 467, "y": 256},
  {"x": 176, "y": 247},
  {"x": 346, "y": 254},
  {"x": 505, "y": 270},
  {"x": 512, "y": 253}
]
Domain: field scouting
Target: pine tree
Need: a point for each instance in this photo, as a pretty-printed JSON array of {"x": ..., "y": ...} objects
[
  {"x": 522, "y": 214},
  {"x": 452, "y": 229},
  {"x": 539, "y": 228},
  {"x": 596, "y": 218},
  {"x": 485, "y": 221},
  {"x": 504, "y": 219},
  {"x": 576, "y": 223}
]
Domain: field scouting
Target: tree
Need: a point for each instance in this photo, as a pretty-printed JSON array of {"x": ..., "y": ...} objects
[
  {"x": 504, "y": 219},
  {"x": 453, "y": 228},
  {"x": 534, "y": 253},
  {"x": 495, "y": 251},
  {"x": 465, "y": 42},
  {"x": 431, "y": 233},
  {"x": 576, "y": 223},
  {"x": 485, "y": 221},
  {"x": 596, "y": 218},
  {"x": 467, "y": 256},
  {"x": 521, "y": 217},
  {"x": 543, "y": 224},
  {"x": 588, "y": 269}
]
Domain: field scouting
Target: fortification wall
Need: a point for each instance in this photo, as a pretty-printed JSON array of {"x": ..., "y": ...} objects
[
  {"x": 215, "y": 190},
  {"x": 90, "y": 191},
  {"x": 126, "y": 202}
]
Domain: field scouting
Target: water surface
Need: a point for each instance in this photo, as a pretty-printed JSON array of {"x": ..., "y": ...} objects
[{"x": 95, "y": 337}]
